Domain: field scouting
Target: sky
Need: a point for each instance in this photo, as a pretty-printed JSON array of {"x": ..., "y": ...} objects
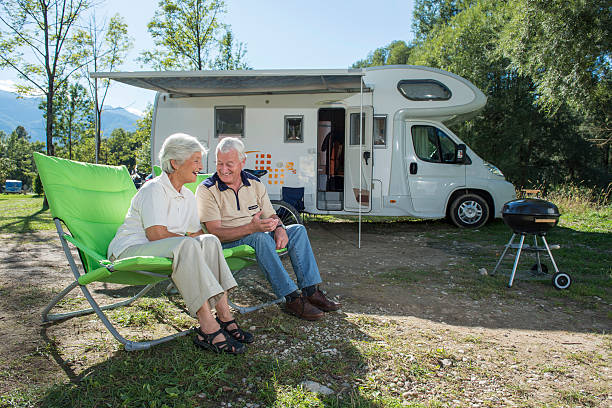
[{"x": 287, "y": 34}]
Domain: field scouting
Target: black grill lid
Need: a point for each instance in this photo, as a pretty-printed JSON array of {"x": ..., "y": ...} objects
[{"x": 530, "y": 206}]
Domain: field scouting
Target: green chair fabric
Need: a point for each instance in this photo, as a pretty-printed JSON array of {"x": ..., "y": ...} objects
[{"x": 92, "y": 200}]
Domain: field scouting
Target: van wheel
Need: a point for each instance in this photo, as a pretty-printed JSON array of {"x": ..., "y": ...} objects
[
  {"x": 286, "y": 212},
  {"x": 469, "y": 211}
]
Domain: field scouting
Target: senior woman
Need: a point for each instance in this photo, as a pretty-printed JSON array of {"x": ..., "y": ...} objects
[{"x": 163, "y": 221}]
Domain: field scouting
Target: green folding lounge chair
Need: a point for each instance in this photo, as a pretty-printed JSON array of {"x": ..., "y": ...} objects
[{"x": 91, "y": 201}]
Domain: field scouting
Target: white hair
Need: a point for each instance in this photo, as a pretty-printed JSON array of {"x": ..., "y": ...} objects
[
  {"x": 228, "y": 144},
  {"x": 178, "y": 147}
]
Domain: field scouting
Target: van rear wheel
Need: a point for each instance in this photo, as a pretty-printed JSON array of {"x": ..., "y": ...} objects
[{"x": 469, "y": 211}]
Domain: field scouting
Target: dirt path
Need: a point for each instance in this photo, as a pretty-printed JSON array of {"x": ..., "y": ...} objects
[{"x": 397, "y": 282}]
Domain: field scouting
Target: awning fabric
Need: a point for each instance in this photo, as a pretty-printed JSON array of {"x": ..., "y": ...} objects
[{"x": 245, "y": 82}]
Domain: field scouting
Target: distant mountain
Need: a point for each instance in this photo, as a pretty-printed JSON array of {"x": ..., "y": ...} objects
[{"x": 15, "y": 111}]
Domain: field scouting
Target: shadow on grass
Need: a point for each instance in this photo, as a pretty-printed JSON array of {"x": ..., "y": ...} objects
[
  {"x": 22, "y": 223},
  {"x": 178, "y": 374}
]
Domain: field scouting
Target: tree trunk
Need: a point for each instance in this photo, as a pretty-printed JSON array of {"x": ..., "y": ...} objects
[
  {"x": 50, "y": 116},
  {"x": 98, "y": 122}
]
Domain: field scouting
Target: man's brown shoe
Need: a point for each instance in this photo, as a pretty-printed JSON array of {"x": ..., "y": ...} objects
[
  {"x": 322, "y": 302},
  {"x": 302, "y": 308}
]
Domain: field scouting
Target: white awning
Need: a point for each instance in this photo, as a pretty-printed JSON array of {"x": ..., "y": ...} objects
[{"x": 242, "y": 82}]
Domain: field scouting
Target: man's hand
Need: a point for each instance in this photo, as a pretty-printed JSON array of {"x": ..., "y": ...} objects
[
  {"x": 281, "y": 238},
  {"x": 265, "y": 225}
]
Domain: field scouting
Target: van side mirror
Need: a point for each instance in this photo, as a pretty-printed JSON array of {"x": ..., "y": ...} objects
[{"x": 460, "y": 153}]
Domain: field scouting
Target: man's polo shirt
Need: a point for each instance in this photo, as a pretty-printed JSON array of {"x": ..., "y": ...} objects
[{"x": 216, "y": 201}]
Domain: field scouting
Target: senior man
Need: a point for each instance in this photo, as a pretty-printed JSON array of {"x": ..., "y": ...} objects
[{"x": 234, "y": 206}]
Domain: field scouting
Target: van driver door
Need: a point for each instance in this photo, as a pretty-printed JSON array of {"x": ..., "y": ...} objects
[{"x": 358, "y": 160}]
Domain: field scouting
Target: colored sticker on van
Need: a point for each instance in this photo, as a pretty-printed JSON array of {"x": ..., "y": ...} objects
[{"x": 263, "y": 161}]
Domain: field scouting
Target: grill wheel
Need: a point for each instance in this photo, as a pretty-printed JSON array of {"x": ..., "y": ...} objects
[
  {"x": 469, "y": 211},
  {"x": 561, "y": 280}
]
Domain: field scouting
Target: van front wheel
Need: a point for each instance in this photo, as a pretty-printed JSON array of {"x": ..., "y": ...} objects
[{"x": 469, "y": 211}]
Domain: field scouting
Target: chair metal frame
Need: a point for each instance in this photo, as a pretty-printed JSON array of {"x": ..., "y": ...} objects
[{"x": 99, "y": 310}]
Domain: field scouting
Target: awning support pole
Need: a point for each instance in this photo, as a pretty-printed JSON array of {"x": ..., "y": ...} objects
[{"x": 360, "y": 155}]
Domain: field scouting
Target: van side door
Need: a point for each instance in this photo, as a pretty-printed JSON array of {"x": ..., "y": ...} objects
[
  {"x": 358, "y": 159},
  {"x": 431, "y": 168}
]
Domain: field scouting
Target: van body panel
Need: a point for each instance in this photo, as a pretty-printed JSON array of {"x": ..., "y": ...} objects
[{"x": 386, "y": 184}]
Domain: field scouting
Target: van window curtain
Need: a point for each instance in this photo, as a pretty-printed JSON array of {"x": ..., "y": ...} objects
[{"x": 425, "y": 144}]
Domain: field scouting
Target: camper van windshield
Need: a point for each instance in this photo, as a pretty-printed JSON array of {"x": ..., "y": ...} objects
[{"x": 424, "y": 90}]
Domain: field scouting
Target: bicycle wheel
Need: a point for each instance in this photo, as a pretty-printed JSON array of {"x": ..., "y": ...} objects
[{"x": 286, "y": 212}]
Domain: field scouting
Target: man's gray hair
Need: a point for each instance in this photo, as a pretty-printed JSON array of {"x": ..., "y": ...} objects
[
  {"x": 228, "y": 144},
  {"x": 178, "y": 147}
]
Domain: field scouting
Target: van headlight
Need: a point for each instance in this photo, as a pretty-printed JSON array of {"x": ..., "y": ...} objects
[{"x": 493, "y": 169}]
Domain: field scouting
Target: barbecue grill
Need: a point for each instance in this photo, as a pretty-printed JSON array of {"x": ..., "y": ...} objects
[{"x": 532, "y": 216}]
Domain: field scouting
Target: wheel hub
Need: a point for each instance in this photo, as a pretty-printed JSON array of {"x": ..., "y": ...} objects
[{"x": 470, "y": 212}]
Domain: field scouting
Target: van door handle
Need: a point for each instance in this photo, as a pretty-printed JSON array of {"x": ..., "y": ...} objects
[
  {"x": 413, "y": 168},
  {"x": 366, "y": 156}
]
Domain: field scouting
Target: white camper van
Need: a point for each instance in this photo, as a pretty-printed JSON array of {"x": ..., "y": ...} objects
[{"x": 303, "y": 127}]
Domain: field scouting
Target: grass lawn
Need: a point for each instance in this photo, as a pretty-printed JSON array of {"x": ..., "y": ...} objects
[
  {"x": 369, "y": 359},
  {"x": 23, "y": 213}
]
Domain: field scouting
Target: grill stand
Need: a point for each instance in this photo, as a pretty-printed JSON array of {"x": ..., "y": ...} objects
[{"x": 520, "y": 247}]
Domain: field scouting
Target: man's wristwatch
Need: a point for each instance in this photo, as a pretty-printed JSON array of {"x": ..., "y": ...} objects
[{"x": 280, "y": 225}]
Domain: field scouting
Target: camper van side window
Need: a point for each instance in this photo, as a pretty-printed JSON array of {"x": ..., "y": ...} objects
[
  {"x": 424, "y": 90},
  {"x": 380, "y": 131},
  {"x": 229, "y": 121},
  {"x": 433, "y": 145},
  {"x": 355, "y": 129},
  {"x": 294, "y": 129}
]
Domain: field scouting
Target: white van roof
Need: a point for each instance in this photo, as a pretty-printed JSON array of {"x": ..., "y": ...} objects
[{"x": 243, "y": 82}]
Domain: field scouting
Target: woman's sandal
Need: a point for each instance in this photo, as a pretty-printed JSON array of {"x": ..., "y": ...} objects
[
  {"x": 237, "y": 333},
  {"x": 229, "y": 345}
]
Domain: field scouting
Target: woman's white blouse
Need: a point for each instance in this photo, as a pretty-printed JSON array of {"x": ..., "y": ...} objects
[{"x": 156, "y": 203}]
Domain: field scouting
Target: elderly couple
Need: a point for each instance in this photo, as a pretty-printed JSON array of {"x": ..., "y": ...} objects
[{"x": 165, "y": 219}]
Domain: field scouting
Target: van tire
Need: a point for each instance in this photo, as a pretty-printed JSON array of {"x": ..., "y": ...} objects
[{"x": 469, "y": 211}]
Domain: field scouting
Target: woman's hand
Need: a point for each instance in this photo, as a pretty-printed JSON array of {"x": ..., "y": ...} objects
[{"x": 157, "y": 232}]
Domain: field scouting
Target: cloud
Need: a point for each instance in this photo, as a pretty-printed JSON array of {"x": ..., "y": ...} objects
[
  {"x": 7, "y": 85},
  {"x": 135, "y": 111}
]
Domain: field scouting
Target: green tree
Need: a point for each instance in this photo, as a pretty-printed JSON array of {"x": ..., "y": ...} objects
[
  {"x": 396, "y": 53},
  {"x": 122, "y": 146},
  {"x": 231, "y": 55},
  {"x": 511, "y": 131},
  {"x": 565, "y": 46},
  {"x": 104, "y": 48},
  {"x": 16, "y": 161},
  {"x": 183, "y": 32},
  {"x": 74, "y": 116},
  {"x": 34, "y": 42},
  {"x": 143, "y": 136},
  {"x": 429, "y": 14}
]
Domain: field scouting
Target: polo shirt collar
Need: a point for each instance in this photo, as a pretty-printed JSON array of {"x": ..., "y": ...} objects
[
  {"x": 164, "y": 180},
  {"x": 222, "y": 186}
]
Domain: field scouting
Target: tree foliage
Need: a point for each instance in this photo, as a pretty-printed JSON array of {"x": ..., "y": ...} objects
[
  {"x": 565, "y": 46},
  {"x": 184, "y": 32},
  {"x": 104, "y": 47},
  {"x": 492, "y": 43},
  {"x": 16, "y": 161},
  {"x": 35, "y": 38},
  {"x": 74, "y": 118},
  {"x": 396, "y": 53},
  {"x": 231, "y": 55}
]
